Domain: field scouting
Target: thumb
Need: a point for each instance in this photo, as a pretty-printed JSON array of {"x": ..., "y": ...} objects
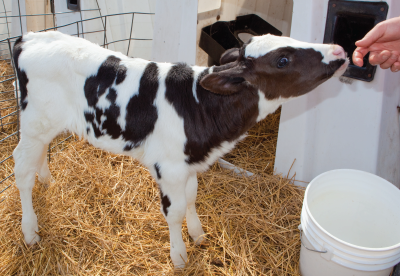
[
  {"x": 358, "y": 56},
  {"x": 372, "y": 36}
]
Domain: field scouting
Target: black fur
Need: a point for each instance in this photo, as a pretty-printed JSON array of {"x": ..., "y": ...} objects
[
  {"x": 97, "y": 85},
  {"x": 141, "y": 114},
  {"x": 22, "y": 77},
  {"x": 214, "y": 119},
  {"x": 157, "y": 167},
  {"x": 165, "y": 202}
]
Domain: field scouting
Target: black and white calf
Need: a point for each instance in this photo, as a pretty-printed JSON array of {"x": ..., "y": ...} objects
[{"x": 175, "y": 118}]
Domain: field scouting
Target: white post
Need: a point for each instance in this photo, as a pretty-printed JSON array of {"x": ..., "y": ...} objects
[{"x": 174, "y": 37}]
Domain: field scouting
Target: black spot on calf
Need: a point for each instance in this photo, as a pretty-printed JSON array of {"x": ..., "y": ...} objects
[
  {"x": 216, "y": 118},
  {"x": 22, "y": 77},
  {"x": 95, "y": 86},
  {"x": 165, "y": 202},
  {"x": 157, "y": 167},
  {"x": 141, "y": 114},
  {"x": 110, "y": 124}
]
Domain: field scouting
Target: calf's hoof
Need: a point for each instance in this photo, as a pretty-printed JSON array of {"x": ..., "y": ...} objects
[
  {"x": 31, "y": 239},
  {"x": 179, "y": 260},
  {"x": 30, "y": 228},
  {"x": 46, "y": 180}
]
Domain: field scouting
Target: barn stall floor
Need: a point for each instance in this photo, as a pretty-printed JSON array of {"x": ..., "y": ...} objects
[{"x": 101, "y": 216}]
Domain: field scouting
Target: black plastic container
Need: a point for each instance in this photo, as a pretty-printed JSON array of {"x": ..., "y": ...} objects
[
  {"x": 349, "y": 21},
  {"x": 223, "y": 35}
]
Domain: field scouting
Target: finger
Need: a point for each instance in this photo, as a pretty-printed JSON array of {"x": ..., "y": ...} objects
[
  {"x": 358, "y": 56},
  {"x": 395, "y": 67},
  {"x": 390, "y": 61},
  {"x": 372, "y": 36},
  {"x": 376, "y": 58}
]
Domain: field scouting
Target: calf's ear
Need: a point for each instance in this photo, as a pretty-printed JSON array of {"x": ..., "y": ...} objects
[{"x": 226, "y": 82}]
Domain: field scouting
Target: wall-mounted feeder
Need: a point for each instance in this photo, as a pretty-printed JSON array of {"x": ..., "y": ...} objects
[
  {"x": 223, "y": 35},
  {"x": 349, "y": 21}
]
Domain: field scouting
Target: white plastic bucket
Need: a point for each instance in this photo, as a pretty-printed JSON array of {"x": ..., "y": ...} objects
[{"x": 354, "y": 217}]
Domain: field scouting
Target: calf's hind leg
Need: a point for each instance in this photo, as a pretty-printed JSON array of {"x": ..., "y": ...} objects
[
  {"x": 192, "y": 220},
  {"x": 44, "y": 174},
  {"x": 28, "y": 156}
]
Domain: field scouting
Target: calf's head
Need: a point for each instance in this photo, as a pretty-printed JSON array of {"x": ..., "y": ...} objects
[{"x": 277, "y": 66}]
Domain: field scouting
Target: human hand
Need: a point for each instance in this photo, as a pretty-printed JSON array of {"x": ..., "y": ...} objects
[{"x": 383, "y": 43}]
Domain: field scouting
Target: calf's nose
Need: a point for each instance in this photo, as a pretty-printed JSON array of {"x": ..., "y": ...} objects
[{"x": 339, "y": 52}]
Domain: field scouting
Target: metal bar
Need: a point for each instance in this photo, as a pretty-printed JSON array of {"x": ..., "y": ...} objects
[
  {"x": 50, "y": 148},
  {"x": 130, "y": 36},
  {"x": 8, "y": 107},
  {"x": 81, "y": 24},
  {"x": 4, "y": 160},
  {"x": 69, "y": 24},
  {"x": 5, "y": 92},
  {"x": 7, "y": 186},
  {"x": 8, "y": 115},
  {"x": 54, "y": 20},
  {"x": 5, "y": 180},
  {"x": 10, "y": 123},
  {"x": 61, "y": 142},
  {"x": 8, "y": 29},
  {"x": 16, "y": 87},
  {"x": 20, "y": 20},
  {"x": 5, "y": 75},
  {"x": 42, "y": 14},
  {"x": 7, "y": 100},
  {"x": 99, "y": 13},
  {"x": 127, "y": 39},
  {"x": 88, "y": 33},
  {"x": 7, "y": 80},
  {"x": 77, "y": 27},
  {"x": 105, "y": 31},
  {"x": 8, "y": 136},
  {"x": 8, "y": 91}
]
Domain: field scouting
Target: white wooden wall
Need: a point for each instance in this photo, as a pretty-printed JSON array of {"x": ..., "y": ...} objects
[{"x": 119, "y": 27}]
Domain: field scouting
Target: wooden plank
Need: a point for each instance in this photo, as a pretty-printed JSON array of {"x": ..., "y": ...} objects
[{"x": 40, "y": 22}]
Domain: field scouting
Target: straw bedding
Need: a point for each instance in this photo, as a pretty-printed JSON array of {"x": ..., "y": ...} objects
[{"x": 101, "y": 217}]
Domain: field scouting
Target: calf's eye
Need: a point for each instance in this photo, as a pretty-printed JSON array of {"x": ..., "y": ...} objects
[{"x": 282, "y": 62}]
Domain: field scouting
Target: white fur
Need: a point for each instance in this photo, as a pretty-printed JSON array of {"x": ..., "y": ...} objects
[
  {"x": 261, "y": 45},
  {"x": 197, "y": 70},
  {"x": 266, "y": 107}
]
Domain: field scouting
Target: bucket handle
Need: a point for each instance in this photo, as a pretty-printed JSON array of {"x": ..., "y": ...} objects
[{"x": 301, "y": 239}]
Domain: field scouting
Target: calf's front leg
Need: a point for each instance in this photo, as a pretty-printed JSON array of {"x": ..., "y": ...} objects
[{"x": 172, "y": 181}]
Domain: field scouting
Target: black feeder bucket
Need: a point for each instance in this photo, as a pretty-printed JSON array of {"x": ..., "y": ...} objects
[{"x": 223, "y": 35}]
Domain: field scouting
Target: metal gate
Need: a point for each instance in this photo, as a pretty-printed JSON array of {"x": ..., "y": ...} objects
[{"x": 9, "y": 91}]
